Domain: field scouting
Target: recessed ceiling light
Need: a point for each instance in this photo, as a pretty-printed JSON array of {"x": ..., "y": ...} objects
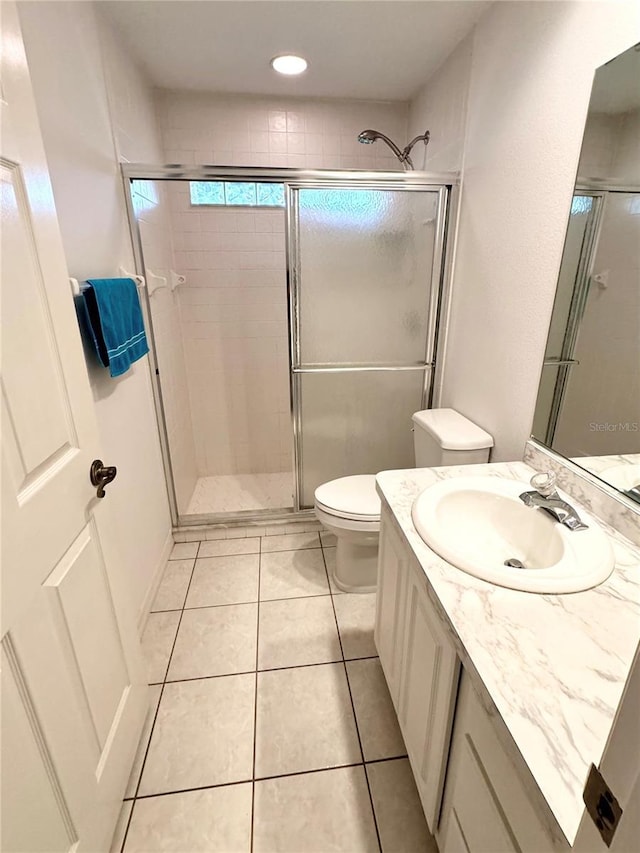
[{"x": 289, "y": 64}]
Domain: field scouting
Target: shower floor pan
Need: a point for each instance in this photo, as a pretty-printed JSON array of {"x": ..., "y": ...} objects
[{"x": 241, "y": 492}]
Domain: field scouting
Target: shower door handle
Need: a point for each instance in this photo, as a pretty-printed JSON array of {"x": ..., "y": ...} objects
[{"x": 101, "y": 475}]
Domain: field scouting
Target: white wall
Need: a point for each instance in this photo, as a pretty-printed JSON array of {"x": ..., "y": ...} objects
[
  {"x": 441, "y": 108},
  {"x": 85, "y": 134},
  {"x": 531, "y": 74}
]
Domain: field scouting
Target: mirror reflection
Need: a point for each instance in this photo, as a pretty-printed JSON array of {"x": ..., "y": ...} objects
[{"x": 588, "y": 406}]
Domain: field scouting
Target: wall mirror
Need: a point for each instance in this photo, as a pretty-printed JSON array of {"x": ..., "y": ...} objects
[{"x": 588, "y": 406}]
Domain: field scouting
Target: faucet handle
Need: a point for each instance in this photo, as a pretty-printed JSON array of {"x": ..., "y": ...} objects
[{"x": 544, "y": 483}]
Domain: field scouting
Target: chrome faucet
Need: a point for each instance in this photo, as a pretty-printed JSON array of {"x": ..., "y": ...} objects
[
  {"x": 634, "y": 492},
  {"x": 545, "y": 496}
]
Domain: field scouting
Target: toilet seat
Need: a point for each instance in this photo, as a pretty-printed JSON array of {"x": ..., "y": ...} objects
[{"x": 351, "y": 498}]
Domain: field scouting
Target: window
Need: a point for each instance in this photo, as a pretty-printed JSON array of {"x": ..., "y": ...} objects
[
  {"x": 236, "y": 194},
  {"x": 581, "y": 204}
]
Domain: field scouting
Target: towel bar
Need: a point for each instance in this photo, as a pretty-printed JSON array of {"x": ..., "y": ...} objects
[{"x": 77, "y": 288}]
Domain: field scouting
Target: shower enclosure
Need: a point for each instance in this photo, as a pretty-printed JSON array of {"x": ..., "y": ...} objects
[
  {"x": 305, "y": 333},
  {"x": 590, "y": 373}
]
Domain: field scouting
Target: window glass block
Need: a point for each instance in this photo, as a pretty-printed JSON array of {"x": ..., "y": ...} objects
[
  {"x": 237, "y": 193},
  {"x": 270, "y": 195},
  {"x": 206, "y": 192},
  {"x": 240, "y": 193},
  {"x": 144, "y": 196},
  {"x": 581, "y": 204}
]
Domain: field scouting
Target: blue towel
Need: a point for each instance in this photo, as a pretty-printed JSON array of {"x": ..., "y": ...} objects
[{"x": 113, "y": 316}]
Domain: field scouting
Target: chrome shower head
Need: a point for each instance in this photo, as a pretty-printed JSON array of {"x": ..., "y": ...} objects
[{"x": 368, "y": 137}]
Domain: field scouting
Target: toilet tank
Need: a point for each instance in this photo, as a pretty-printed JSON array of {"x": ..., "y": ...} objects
[{"x": 445, "y": 437}]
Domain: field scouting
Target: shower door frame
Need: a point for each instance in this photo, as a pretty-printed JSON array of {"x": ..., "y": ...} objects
[
  {"x": 599, "y": 190},
  {"x": 446, "y": 184},
  {"x": 565, "y": 360},
  {"x": 433, "y": 281}
]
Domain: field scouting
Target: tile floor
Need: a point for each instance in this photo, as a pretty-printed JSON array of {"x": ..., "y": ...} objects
[
  {"x": 240, "y": 492},
  {"x": 270, "y": 726}
]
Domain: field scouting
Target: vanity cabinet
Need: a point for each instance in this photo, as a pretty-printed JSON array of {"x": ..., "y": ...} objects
[
  {"x": 419, "y": 663},
  {"x": 485, "y": 808},
  {"x": 481, "y": 806}
]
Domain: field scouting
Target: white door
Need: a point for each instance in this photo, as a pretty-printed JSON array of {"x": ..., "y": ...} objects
[{"x": 73, "y": 688}]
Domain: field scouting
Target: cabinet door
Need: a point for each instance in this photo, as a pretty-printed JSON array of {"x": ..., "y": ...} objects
[
  {"x": 486, "y": 808},
  {"x": 428, "y": 684},
  {"x": 393, "y": 564}
]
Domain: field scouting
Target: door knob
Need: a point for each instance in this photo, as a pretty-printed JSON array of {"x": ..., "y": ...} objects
[{"x": 101, "y": 475}]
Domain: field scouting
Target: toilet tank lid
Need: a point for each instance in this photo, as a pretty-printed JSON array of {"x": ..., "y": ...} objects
[{"x": 452, "y": 430}]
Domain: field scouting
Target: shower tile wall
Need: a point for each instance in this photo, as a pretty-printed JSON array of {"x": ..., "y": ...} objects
[
  {"x": 152, "y": 205},
  {"x": 234, "y": 311},
  {"x": 262, "y": 131},
  {"x": 234, "y": 323}
]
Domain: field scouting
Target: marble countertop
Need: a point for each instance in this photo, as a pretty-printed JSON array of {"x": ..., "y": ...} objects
[
  {"x": 601, "y": 465},
  {"x": 553, "y": 667}
]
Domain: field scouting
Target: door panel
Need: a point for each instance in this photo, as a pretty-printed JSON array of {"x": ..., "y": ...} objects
[
  {"x": 74, "y": 689},
  {"x": 393, "y": 570},
  {"x": 355, "y": 422},
  {"x": 485, "y": 801},
  {"x": 26, "y": 774},
  {"x": 92, "y": 631},
  {"x": 477, "y": 810},
  {"x": 26, "y": 319},
  {"x": 430, "y": 671}
]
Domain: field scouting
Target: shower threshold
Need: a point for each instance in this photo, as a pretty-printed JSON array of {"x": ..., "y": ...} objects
[{"x": 241, "y": 492}]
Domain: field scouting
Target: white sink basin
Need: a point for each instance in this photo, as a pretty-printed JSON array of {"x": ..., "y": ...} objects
[{"x": 478, "y": 523}]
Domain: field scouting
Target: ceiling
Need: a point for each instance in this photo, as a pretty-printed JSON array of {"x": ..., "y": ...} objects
[{"x": 373, "y": 49}]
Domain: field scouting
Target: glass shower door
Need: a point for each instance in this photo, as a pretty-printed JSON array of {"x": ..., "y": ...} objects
[
  {"x": 573, "y": 279},
  {"x": 365, "y": 285},
  {"x": 598, "y": 414}
]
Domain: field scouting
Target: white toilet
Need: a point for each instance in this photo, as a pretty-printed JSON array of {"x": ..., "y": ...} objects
[{"x": 350, "y": 507}]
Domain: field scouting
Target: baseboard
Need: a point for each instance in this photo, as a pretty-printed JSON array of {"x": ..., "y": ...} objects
[{"x": 145, "y": 608}]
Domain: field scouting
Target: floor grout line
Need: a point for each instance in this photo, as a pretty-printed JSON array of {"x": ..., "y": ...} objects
[
  {"x": 305, "y": 772},
  {"x": 255, "y": 703},
  {"x": 252, "y": 553},
  {"x": 255, "y": 601},
  {"x": 265, "y": 669},
  {"x": 353, "y": 710}
]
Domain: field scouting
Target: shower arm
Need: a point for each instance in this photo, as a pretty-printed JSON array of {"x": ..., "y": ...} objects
[
  {"x": 403, "y": 155},
  {"x": 399, "y": 154}
]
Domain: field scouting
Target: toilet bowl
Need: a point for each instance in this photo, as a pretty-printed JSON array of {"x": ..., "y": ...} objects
[{"x": 349, "y": 507}]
